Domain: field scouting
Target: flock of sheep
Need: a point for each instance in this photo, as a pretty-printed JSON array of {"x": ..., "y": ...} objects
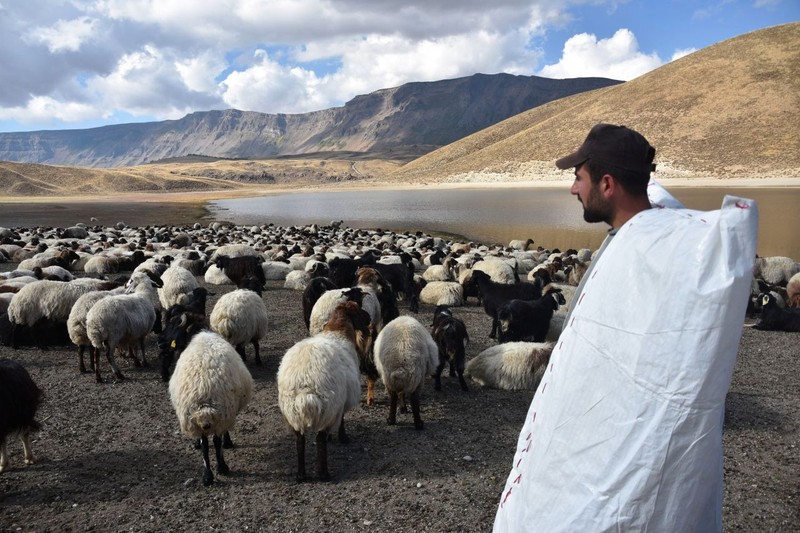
[{"x": 106, "y": 289}]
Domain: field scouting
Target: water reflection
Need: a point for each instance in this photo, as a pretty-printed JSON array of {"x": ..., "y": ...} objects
[{"x": 551, "y": 216}]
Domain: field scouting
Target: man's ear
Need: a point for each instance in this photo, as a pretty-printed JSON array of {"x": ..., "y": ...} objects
[{"x": 607, "y": 185}]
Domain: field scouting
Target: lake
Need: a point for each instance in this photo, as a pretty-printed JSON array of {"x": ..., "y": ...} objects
[{"x": 552, "y": 217}]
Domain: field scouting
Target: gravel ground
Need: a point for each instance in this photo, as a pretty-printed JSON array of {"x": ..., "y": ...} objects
[{"x": 109, "y": 456}]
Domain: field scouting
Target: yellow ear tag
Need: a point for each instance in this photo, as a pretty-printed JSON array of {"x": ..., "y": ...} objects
[{"x": 172, "y": 344}]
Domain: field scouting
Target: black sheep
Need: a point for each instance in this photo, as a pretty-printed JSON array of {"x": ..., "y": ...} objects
[
  {"x": 521, "y": 320},
  {"x": 774, "y": 318},
  {"x": 496, "y": 294},
  {"x": 19, "y": 401},
  {"x": 401, "y": 277},
  {"x": 451, "y": 337},
  {"x": 343, "y": 269},
  {"x": 316, "y": 287},
  {"x": 239, "y": 268}
]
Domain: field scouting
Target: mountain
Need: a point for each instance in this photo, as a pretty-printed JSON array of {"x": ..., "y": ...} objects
[
  {"x": 415, "y": 117},
  {"x": 729, "y": 110}
]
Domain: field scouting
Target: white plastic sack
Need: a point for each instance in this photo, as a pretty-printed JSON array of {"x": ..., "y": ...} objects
[{"x": 625, "y": 430}]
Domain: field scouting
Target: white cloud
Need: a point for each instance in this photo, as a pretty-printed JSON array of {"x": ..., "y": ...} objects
[
  {"x": 47, "y": 110},
  {"x": 617, "y": 58},
  {"x": 65, "y": 35},
  {"x": 682, "y": 53}
]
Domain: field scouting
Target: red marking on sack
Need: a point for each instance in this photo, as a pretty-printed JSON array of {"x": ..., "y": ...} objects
[
  {"x": 742, "y": 205},
  {"x": 703, "y": 221},
  {"x": 506, "y": 497},
  {"x": 534, "y": 416},
  {"x": 529, "y": 435},
  {"x": 518, "y": 463},
  {"x": 581, "y": 299},
  {"x": 544, "y": 387},
  {"x": 519, "y": 478},
  {"x": 527, "y": 448}
]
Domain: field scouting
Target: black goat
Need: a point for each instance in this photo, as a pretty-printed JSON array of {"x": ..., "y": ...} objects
[
  {"x": 774, "y": 318},
  {"x": 451, "y": 337},
  {"x": 496, "y": 294},
  {"x": 401, "y": 277},
  {"x": 238, "y": 268},
  {"x": 19, "y": 401},
  {"x": 315, "y": 288},
  {"x": 521, "y": 320},
  {"x": 343, "y": 270}
]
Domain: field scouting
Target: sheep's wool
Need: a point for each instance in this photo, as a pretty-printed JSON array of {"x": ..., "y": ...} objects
[{"x": 624, "y": 432}]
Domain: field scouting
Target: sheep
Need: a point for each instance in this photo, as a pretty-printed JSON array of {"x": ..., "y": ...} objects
[
  {"x": 343, "y": 270},
  {"x": 297, "y": 280},
  {"x": 774, "y": 318},
  {"x": 240, "y": 317},
  {"x": 775, "y": 270},
  {"x": 61, "y": 258},
  {"x": 208, "y": 389},
  {"x": 498, "y": 270},
  {"x": 216, "y": 276},
  {"x": 524, "y": 320},
  {"x": 405, "y": 354},
  {"x": 101, "y": 264},
  {"x": 48, "y": 301},
  {"x": 54, "y": 273},
  {"x": 76, "y": 321},
  {"x": 448, "y": 293},
  {"x": 19, "y": 400},
  {"x": 181, "y": 325},
  {"x": 318, "y": 382},
  {"x": 401, "y": 278},
  {"x": 495, "y": 294},
  {"x": 518, "y": 244},
  {"x": 123, "y": 319},
  {"x": 176, "y": 281},
  {"x": 793, "y": 291},
  {"x": 451, "y": 338},
  {"x": 379, "y": 300},
  {"x": 275, "y": 270},
  {"x": 510, "y": 366}
]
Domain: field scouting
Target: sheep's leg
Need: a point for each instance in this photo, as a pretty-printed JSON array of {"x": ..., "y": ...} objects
[
  {"x": 166, "y": 363},
  {"x": 240, "y": 351},
  {"x": 415, "y": 410},
  {"x": 81, "y": 363},
  {"x": 130, "y": 354},
  {"x": 300, "y": 444},
  {"x": 25, "y": 437},
  {"x": 144, "y": 357},
  {"x": 322, "y": 456},
  {"x": 493, "y": 333},
  {"x": 12, "y": 337},
  {"x": 3, "y": 455},
  {"x": 222, "y": 466},
  {"x": 437, "y": 375},
  {"x": 461, "y": 379},
  {"x": 226, "y": 440},
  {"x": 208, "y": 476},
  {"x": 392, "y": 420},
  {"x": 113, "y": 363},
  {"x": 343, "y": 438},
  {"x": 403, "y": 406},
  {"x": 370, "y": 391},
  {"x": 452, "y": 369},
  {"x": 258, "y": 354},
  {"x": 96, "y": 364}
]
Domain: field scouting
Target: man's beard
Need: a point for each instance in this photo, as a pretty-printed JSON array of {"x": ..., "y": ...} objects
[{"x": 594, "y": 209}]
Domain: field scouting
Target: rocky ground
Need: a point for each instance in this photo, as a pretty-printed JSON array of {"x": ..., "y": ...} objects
[{"x": 109, "y": 456}]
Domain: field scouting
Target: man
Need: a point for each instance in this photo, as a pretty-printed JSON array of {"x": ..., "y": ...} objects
[{"x": 624, "y": 432}]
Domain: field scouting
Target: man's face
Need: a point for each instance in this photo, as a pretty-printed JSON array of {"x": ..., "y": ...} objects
[{"x": 595, "y": 207}]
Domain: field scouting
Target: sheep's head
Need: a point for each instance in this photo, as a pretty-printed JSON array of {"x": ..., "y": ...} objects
[
  {"x": 205, "y": 419},
  {"x": 368, "y": 276},
  {"x": 181, "y": 327}
]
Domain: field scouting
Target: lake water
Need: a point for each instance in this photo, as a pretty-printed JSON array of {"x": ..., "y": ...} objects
[{"x": 550, "y": 216}]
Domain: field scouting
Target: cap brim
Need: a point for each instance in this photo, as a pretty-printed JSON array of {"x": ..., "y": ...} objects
[{"x": 571, "y": 161}]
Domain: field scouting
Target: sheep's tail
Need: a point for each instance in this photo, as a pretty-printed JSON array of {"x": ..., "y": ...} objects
[
  {"x": 225, "y": 326},
  {"x": 304, "y": 412}
]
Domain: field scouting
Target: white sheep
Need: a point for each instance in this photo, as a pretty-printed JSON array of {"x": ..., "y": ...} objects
[
  {"x": 405, "y": 354},
  {"x": 449, "y": 293},
  {"x": 319, "y": 381},
  {"x": 275, "y": 270},
  {"x": 510, "y": 366},
  {"x": 216, "y": 276},
  {"x": 208, "y": 389},
  {"x": 793, "y": 291},
  {"x": 122, "y": 320},
  {"x": 297, "y": 280},
  {"x": 775, "y": 270},
  {"x": 500, "y": 270},
  {"x": 48, "y": 300},
  {"x": 177, "y": 281},
  {"x": 76, "y": 321},
  {"x": 240, "y": 317}
]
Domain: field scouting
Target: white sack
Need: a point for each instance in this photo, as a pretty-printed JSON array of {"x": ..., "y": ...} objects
[{"x": 624, "y": 432}]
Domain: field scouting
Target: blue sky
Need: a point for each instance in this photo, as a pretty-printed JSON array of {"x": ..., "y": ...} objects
[{"x": 87, "y": 63}]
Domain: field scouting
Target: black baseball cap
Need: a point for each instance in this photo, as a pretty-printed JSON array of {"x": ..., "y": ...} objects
[{"x": 616, "y": 146}]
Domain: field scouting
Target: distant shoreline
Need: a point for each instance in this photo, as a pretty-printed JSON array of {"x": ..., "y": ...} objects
[{"x": 204, "y": 196}]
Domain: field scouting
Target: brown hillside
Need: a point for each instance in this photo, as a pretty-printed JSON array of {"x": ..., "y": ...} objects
[{"x": 729, "y": 110}]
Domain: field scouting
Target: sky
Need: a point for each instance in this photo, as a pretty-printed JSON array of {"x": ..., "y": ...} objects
[{"x": 72, "y": 64}]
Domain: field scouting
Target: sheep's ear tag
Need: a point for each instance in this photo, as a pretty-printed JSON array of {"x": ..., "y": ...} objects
[
  {"x": 765, "y": 300},
  {"x": 173, "y": 344}
]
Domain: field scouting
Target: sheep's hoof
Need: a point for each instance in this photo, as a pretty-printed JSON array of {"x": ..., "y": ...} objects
[
  {"x": 391, "y": 421},
  {"x": 301, "y": 478},
  {"x": 227, "y": 443},
  {"x": 208, "y": 477},
  {"x": 404, "y": 409},
  {"x": 223, "y": 469},
  {"x": 28, "y": 461},
  {"x": 418, "y": 425},
  {"x": 324, "y": 476}
]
